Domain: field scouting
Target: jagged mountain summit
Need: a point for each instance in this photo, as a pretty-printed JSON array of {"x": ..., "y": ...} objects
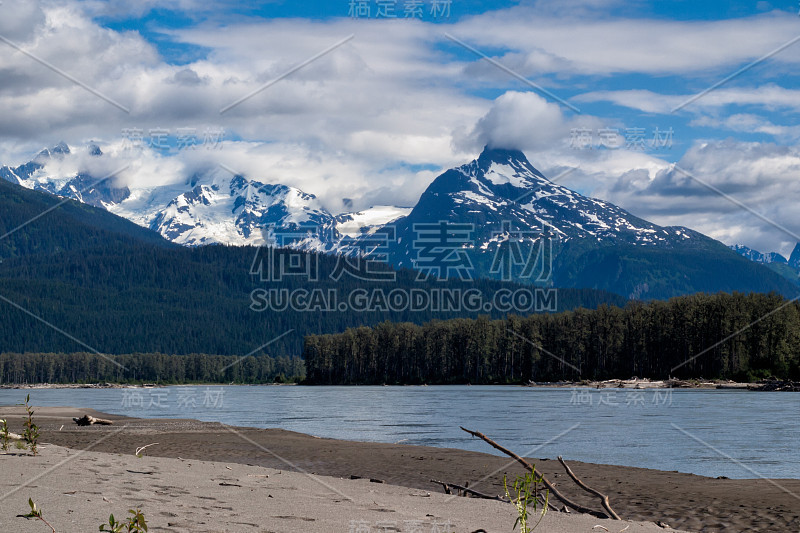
[
  {"x": 758, "y": 257},
  {"x": 239, "y": 211},
  {"x": 504, "y": 197},
  {"x": 209, "y": 207},
  {"x": 788, "y": 268},
  {"x": 80, "y": 186},
  {"x": 516, "y": 224},
  {"x": 495, "y": 217}
]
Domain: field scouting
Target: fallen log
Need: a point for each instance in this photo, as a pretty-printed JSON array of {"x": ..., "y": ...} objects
[
  {"x": 553, "y": 490},
  {"x": 87, "y": 420}
]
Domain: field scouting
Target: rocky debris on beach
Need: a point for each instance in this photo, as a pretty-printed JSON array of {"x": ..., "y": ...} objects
[
  {"x": 64, "y": 386},
  {"x": 673, "y": 383},
  {"x": 775, "y": 385},
  {"x": 87, "y": 420}
]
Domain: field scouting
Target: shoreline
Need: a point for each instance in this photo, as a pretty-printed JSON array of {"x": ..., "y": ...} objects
[
  {"x": 634, "y": 383},
  {"x": 684, "y": 501}
]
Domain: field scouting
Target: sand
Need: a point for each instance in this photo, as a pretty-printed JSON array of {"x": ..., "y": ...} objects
[
  {"x": 76, "y": 491},
  {"x": 221, "y": 454}
]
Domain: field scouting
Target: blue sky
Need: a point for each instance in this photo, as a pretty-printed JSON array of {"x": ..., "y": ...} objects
[
  {"x": 395, "y": 102},
  {"x": 156, "y": 24}
]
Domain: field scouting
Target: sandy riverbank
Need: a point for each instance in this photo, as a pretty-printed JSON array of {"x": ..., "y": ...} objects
[
  {"x": 683, "y": 501},
  {"x": 76, "y": 491}
]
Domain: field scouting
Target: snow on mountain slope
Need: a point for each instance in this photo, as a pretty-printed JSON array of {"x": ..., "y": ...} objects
[
  {"x": 758, "y": 257},
  {"x": 502, "y": 189},
  {"x": 215, "y": 206},
  {"x": 210, "y": 207},
  {"x": 500, "y": 198},
  {"x": 368, "y": 221},
  {"x": 240, "y": 211}
]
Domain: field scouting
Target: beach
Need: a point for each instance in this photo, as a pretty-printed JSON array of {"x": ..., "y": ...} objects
[{"x": 225, "y": 487}]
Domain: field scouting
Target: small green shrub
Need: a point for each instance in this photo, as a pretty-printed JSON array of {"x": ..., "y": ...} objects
[
  {"x": 37, "y": 514},
  {"x": 526, "y": 489},
  {"x": 31, "y": 432},
  {"x": 134, "y": 524},
  {"x": 4, "y": 438}
]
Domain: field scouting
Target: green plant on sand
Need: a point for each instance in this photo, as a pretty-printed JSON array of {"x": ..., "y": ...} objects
[
  {"x": 526, "y": 490},
  {"x": 31, "y": 432},
  {"x": 134, "y": 524},
  {"x": 37, "y": 514},
  {"x": 4, "y": 438}
]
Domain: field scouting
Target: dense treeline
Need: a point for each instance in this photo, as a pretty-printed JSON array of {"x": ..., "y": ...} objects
[
  {"x": 711, "y": 336},
  {"x": 157, "y": 368}
]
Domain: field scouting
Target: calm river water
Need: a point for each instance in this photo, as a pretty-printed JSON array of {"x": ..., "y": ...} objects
[{"x": 737, "y": 434}]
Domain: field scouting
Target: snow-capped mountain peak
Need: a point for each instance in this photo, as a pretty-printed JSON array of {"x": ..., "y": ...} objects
[
  {"x": 498, "y": 197},
  {"x": 502, "y": 185},
  {"x": 240, "y": 211}
]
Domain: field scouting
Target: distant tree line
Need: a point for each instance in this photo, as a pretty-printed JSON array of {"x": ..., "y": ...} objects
[
  {"x": 702, "y": 335},
  {"x": 16, "y": 368}
]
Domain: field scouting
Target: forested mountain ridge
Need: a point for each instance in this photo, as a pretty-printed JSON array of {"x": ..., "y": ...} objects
[
  {"x": 32, "y": 222},
  {"x": 122, "y": 289}
]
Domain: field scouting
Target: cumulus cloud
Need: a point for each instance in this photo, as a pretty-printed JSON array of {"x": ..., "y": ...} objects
[
  {"x": 769, "y": 96},
  {"x": 705, "y": 188},
  {"x": 750, "y": 123},
  {"x": 605, "y": 45},
  {"x": 524, "y": 121},
  {"x": 19, "y": 20},
  {"x": 371, "y": 111},
  {"x": 376, "y": 119}
]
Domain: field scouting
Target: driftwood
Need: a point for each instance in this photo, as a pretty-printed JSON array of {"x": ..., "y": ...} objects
[
  {"x": 590, "y": 490},
  {"x": 446, "y": 486},
  {"x": 467, "y": 490},
  {"x": 87, "y": 420},
  {"x": 553, "y": 490}
]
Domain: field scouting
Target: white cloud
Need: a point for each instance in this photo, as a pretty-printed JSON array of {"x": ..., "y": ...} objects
[
  {"x": 524, "y": 121},
  {"x": 762, "y": 176},
  {"x": 361, "y": 121},
  {"x": 771, "y": 97},
  {"x": 749, "y": 123},
  {"x": 605, "y": 45},
  {"x": 363, "y": 113}
]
